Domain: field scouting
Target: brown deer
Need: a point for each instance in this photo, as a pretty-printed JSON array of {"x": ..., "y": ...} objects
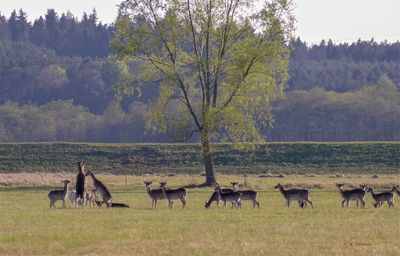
[
  {"x": 80, "y": 184},
  {"x": 380, "y": 198},
  {"x": 56, "y": 195},
  {"x": 154, "y": 194},
  {"x": 357, "y": 194},
  {"x": 247, "y": 194},
  {"x": 234, "y": 197},
  {"x": 302, "y": 195},
  {"x": 101, "y": 189},
  {"x": 173, "y": 194}
]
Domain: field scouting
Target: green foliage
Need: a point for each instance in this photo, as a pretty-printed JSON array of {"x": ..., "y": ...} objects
[
  {"x": 217, "y": 61},
  {"x": 138, "y": 159},
  {"x": 371, "y": 113}
]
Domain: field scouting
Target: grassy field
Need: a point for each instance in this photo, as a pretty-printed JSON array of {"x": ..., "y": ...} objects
[
  {"x": 29, "y": 227},
  {"x": 138, "y": 159}
]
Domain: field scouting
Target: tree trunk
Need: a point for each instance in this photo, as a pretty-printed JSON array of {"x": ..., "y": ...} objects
[{"x": 208, "y": 158}]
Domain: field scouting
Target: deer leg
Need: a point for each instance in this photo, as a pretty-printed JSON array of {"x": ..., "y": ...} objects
[
  {"x": 183, "y": 200},
  {"x": 362, "y": 203},
  {"x": 224, "y": 204}
]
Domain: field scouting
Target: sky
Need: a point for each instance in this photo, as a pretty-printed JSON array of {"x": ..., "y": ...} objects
[{"x": 339, "y": 20}]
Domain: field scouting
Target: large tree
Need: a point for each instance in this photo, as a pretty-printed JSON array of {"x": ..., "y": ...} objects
[{"x": 219, "y": 63}]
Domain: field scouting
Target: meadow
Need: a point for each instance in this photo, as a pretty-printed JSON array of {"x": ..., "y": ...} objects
[{"x": 29, "y": 227}]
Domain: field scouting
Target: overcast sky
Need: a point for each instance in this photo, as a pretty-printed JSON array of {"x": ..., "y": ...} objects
[{"x": 340, "y": 20}]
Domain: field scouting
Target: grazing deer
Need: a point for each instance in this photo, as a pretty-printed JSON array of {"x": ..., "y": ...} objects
[
  {"x": 101, "y": 189},
  {"x": 380, "y": 198},
  {"x": 90, "y": 196},
  {"x": 247, "y": 194},
  {"x": 357, "y": 194},
  {"x": 302, "y": 195},
  {"x": 80, "y": 183},
  {"x": 154, "y": 194},
  {"x": 56, "y": 195},
  {"x": 215, "y": 198},
  {"x": 234, "y": 196},
  {"x": 173, "y": 194}
]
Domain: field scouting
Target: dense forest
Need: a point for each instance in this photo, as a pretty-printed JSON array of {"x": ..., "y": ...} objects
[{"x": 57, "y": 72}]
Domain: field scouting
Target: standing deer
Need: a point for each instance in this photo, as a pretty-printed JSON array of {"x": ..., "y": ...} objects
[
  {"x": 90, "y": 196},
  {"x": 154, "y": 194},
  {"x": 302, "y": 195},
  {"x": 234, "y": 197},
  {"x": 72, "y": 198},
  {"x": 380, "y": 198},
  {"x": 173, "y": 194},
  {"x": 101, "y": 189},
  {"x": 56, "y": 195},
  {"x": 80, "y": 184},
  {"x": 247, "y": 194},
  {"x": 357, "y": 194}
]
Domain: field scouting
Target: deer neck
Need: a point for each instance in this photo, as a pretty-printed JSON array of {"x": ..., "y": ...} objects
[
  {"x": 93, "y": 177},
  {"x": 66, "y": 188},
  {"x": 164, "y": 192},
  {"x": 282, "y": 190},
  {"x": 341, "y": 190},
  {"x": 372, "y": 192},
  {"x": 213, "y": 198}
]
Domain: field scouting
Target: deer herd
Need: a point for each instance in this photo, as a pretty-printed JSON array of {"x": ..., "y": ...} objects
[{"x": 233, "y": 195}]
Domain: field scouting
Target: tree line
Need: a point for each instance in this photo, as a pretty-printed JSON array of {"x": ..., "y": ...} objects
[
  {"x": 57, "y": 65},
  {"x": 371, "y": 113}
]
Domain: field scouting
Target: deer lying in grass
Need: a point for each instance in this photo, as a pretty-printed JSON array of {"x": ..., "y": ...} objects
[
  {"x": 56, "y": 195},
  {"x": 380, "y": 198},
  {"x": 101, "y": 189},
  {"x": 154, "y": 194},
  {"x": 174, "y": 194},
  {"x": 357, "y": 194},
  {"x": 302, "y": 195},
  {"x": 234, "y": 197},
  {"x": 112, "y": 205},
  {"x": 247, "y": 194}
]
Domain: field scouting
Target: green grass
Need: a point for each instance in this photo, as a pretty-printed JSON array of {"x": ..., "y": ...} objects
[
  {"x": 29, "y": 227},
  {"x": 372, "y": 157}
]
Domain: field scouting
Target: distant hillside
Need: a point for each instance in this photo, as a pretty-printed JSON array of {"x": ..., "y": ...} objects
[{"x": 377, "y": 157}]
